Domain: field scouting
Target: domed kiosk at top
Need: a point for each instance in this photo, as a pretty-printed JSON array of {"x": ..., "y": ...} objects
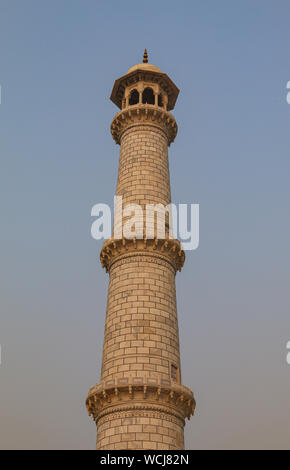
[{"x": 145, "y": 84}]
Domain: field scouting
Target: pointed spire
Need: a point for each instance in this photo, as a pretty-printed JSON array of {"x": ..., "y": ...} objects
[{"x": 145, "y": 57}]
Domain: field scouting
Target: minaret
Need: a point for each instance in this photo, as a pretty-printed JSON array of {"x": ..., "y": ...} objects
[{"x": 140, "y": 402}]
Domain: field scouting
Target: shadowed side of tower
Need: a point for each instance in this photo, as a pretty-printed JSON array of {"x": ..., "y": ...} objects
[{"x": 140, "y": 402}]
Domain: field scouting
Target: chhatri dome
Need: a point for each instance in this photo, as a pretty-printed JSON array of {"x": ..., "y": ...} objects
[{"x": 129, "y": 89}]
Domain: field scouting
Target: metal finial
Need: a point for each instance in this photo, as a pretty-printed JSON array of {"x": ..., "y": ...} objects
[{"x": 145, "y": 57}]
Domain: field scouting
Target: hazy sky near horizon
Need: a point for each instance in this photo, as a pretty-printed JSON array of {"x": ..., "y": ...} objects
[{"x": 58, "y": 63}]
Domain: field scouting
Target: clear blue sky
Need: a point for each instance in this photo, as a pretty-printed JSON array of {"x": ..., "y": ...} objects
[{"x": 58, "y": 63}]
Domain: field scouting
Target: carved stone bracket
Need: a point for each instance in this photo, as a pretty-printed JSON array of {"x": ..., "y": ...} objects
[
  {"x": 142, "y": 114},
  {"x": 152, "y": 394},
  {"x": 168, "y": 249}
]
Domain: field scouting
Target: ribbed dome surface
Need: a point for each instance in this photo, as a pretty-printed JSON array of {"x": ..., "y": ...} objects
[{"x": 148, "y": 67}]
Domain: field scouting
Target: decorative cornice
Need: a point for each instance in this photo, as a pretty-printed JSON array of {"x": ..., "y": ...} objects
[
  {"x": 167, "y": 413},
  {"x": 142, "y": 114},
  {"x": 168, "y": 249},
  {"x": 144, "y": 410},
  {"x": 140, "y": 393}
]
